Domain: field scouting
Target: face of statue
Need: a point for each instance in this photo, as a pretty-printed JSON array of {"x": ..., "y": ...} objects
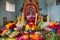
[{"x": 30, "y": 9}]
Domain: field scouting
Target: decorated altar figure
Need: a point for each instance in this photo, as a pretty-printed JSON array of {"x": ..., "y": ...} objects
[
  {"x": 30, "y": 25},
  {"x": 30, "y": 18},
  {"x": 30, "y": 21}
]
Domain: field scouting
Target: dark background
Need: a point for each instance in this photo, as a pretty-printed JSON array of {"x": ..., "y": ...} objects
[{"x": 58, "y": 2}]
